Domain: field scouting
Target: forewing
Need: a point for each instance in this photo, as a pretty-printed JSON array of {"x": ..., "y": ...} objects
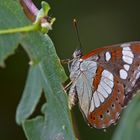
[{"x": 116, "y": 79}]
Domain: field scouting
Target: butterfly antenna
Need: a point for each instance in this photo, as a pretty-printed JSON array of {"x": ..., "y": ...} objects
[{"x": 77, "y": 32}]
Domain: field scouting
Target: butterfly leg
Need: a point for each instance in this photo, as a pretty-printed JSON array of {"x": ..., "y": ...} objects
[
  {"x": 66, "y": 88},
  {"x": 65, "y": 61}
]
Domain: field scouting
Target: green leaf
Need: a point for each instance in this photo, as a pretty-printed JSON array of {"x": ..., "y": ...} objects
[
  {"x": 31, "y": 95},
  {"x": 10, "y": 19},
  {"x": 57, "y": 120},
  {"x": 45, "y": 7},
  {"x": 45, "y": 73},
  {"x": 43, "y": 11},
  {"x": 129, "y": 125},
  {"x": 33, "y": 128}
]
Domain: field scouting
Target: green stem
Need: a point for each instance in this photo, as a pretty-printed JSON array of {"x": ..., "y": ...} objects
[{"x": 29, "y": 28}]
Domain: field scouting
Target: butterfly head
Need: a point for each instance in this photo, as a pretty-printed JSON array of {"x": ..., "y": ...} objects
[
  {"x": 75, "y": 63},
  {"x": 77, "y": 54}
]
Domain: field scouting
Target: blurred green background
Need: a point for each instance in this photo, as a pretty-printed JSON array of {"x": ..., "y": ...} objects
[{"x": 100, "y": 22}]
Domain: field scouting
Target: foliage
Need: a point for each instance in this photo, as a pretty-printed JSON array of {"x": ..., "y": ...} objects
[{"x": 45, "y": 74}]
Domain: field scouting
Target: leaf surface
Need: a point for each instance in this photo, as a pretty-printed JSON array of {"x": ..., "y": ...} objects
[{"x": 46, "y": 73}]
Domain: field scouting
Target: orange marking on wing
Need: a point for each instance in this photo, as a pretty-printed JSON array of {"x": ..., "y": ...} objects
[
  {"x": 94, "y": 120},
  {"x": 109, "y": 112},
  {"x": 116, "y": 54},
  {"x": 118, "y": 109},
  {"x": 119, "y": 93},
  {"x": 115, "y": 49},
  {"x": 136, "y": 48},
  {"x": 97, "y": 77},
  {"x": 96, "y": 51},
  {"x": 107, "y": 121}
]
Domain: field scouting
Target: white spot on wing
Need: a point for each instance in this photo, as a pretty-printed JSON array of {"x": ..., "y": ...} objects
[
  {"x": 107, "y": 73},
  {"x": 126, "y": 67},
  {"x": 96, "y": 99},
  {"x": 106, "y": 87},
  {"x": 127, "y": 53},
  {"x": 102, "y": 91},
  {"x": 92, "y": 105},
  {"x": 109, "y": 82},
  {"x": 107, "y": 77},
  {"x": 126, "y": 49},
  {"x": 127, "y": 59},
  {"x": 123, "y": 74},
  {"x": 101, "y": 98},
  {"x": 107, "y": 56}
]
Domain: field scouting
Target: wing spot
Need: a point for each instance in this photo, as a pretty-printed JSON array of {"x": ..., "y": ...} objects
[
  {"x": 101, "y": 116},
  {"x": 127, "y": 59},
  {"x": 126, "y": 67},
  {"x": 107, "y": 111},
  {"x": 128, "y": 53},
  {"x": 96, "y": 99},
  {"x": 123, "y": 74},
  {"x": 107, "y": 56},
  {"x": 113, "y": 105}
]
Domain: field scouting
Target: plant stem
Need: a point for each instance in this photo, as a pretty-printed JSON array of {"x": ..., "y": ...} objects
[{"x": 29, "y": 28}]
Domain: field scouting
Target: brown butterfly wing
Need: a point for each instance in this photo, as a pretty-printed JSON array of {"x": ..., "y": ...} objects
[
  {"x": 124, "y": 64},
  {"x": 106, "y": 85}
]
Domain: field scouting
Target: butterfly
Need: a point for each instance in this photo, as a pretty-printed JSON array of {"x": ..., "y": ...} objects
[{"x": 103, "y": 82}]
